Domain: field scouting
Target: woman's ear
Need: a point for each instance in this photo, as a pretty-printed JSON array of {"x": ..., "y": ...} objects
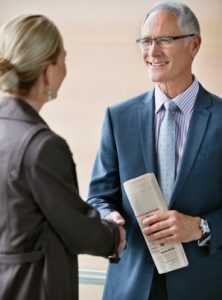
[
  {"x": 46, "y": 79},
  {"x": 46, "y": 73}
]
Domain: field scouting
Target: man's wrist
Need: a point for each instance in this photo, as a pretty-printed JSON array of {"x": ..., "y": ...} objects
[{"x": 198, "y": 231}]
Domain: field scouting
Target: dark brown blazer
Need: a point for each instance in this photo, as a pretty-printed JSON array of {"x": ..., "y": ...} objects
[{"x": 44, "y": 224}]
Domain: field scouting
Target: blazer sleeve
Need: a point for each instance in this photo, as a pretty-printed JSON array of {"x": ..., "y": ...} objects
[{"x": 52, "y": 179}]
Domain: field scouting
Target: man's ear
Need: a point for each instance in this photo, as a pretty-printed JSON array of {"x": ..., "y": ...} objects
[{"x": 196, "y": 44}]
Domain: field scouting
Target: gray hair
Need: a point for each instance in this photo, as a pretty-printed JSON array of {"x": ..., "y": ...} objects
[
  {"x": 187, "y": 20},
  {"x": 27, "y": 45}
]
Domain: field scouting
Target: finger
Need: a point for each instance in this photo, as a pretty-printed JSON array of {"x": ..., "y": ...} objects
[
  {"x": 154, "y": 218},
  {"x": 116, "y": 217},
  {"x": 156, "y": 227},
  {"x": 119, "y": 219},
  {"x": 168, "y": 239},
  {"x": 122, "y": 244},
  {"x": 122, "y": 233},
  {"x": 160, "y": 236}
]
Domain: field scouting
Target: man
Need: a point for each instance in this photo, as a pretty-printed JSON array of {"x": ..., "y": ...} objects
[{"x": 130, "y": 147}]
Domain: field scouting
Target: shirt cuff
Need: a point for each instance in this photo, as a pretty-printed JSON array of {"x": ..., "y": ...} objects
[{"x": 205, "y": 242}]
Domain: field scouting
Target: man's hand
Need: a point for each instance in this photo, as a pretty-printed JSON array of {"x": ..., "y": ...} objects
[
  {"x": 116, "y": 217},
  {"x": 172, "y": 226},
  {"x": 122, "y": 243}
]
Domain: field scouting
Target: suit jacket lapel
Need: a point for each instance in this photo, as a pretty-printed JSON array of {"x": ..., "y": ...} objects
[
  {"x": 196, "y": 133},
  {"x": 147, "y": 134}
]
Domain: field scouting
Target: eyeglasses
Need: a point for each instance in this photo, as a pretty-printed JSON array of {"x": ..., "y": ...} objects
[{"x": 161, "y": 41}]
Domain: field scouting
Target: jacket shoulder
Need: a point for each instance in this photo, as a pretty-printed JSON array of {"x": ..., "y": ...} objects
[
  {"x": 214, "y": 98},
  {"x": 45, "y": 147},
  {"x": 133, "y": 102}
]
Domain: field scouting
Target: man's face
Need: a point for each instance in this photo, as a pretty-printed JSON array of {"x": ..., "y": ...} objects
[{"x": 173, "y": 63}]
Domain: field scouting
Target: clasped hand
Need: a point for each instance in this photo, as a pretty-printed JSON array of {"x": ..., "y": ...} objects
[
  {"x": 119, "y": 220},
  {"x": 171, "y": 226}
]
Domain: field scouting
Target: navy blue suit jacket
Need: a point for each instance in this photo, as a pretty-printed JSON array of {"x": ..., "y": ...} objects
[{"x": 127, "y": 150}]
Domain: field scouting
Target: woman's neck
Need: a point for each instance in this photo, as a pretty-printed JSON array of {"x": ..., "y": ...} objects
[{"x": 35, "y": 102}]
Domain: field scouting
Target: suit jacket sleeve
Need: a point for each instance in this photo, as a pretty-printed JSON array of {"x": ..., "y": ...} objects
[
  {"x": 105, "y": 190},
  {"x": 52, "y": 178}
]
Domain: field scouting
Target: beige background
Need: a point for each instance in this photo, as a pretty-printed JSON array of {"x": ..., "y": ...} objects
[{"x": 105, "y": 67}]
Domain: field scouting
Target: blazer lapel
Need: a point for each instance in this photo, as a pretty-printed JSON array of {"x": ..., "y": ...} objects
[
  {"x": 147, "y": 134},
  {"x": 196, "y": 133}
]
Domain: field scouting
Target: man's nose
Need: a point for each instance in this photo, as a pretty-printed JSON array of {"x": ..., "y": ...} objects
[{"x": 154, "y": 48}]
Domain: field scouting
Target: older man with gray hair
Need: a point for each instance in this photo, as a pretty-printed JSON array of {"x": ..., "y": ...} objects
[{"x": 186, "y": 158}]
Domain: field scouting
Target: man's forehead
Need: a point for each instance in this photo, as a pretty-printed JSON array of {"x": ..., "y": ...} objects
[{"x": 160, "y": 21}]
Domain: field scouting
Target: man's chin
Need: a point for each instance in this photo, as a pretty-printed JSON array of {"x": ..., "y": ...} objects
[{"x": 154, "y": 78}]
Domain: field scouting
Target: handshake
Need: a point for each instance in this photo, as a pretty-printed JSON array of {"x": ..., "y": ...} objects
[{"x": 119, "y": 220}]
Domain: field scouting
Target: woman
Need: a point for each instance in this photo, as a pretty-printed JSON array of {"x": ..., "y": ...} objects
[{"x": 44, "y": 223}]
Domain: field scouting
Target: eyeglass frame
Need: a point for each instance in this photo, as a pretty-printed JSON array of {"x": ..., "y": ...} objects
[{"x": 158, "y": 39}]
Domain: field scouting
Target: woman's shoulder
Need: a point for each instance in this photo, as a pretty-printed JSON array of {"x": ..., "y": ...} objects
[{"x": 46, "y": 146}]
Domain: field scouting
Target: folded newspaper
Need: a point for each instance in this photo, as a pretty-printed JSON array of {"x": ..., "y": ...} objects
[{"x": 146, "y": 198}]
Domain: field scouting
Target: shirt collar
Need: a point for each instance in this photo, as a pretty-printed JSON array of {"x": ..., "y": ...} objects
[{"x": 185, "y": 101}]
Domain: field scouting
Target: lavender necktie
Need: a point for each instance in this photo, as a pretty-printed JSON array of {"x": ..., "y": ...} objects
[{"x": 166, "y": 150}]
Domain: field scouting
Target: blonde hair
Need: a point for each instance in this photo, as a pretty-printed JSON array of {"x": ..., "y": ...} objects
[{"x": 27, "y": 45}]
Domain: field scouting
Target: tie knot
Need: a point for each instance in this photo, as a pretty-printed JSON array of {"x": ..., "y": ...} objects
[{"x": 170, "y": 105}]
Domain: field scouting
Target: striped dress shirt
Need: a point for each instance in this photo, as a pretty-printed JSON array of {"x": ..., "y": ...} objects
[{"x": 185, "y": 103}]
